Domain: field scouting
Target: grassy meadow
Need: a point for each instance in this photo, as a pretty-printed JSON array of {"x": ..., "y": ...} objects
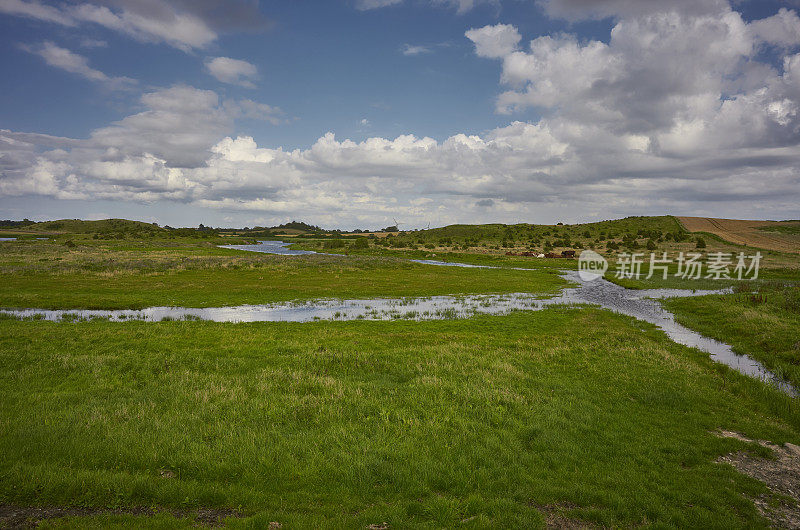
[
  {"x": 566, "y": 417},
  {"x": 493, "y": 421},
  {"x": 126, "y": 275}
]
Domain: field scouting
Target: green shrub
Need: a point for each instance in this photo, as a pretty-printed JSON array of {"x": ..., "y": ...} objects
[{"x": 333, "y": 244}]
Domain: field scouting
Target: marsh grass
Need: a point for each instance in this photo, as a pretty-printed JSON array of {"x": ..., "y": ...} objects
[
  {"x": 763, "y": 323},
  {"x": 113, "y": 276}
]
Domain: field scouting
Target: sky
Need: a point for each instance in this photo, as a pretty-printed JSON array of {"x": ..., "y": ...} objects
[{"x": 368, "y": 113}]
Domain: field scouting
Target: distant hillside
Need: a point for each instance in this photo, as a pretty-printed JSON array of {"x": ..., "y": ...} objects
[
  {"x": 640, "y": 226},
  {"x": 77, "y": 226},
  {"x": 631, "y": 233}
]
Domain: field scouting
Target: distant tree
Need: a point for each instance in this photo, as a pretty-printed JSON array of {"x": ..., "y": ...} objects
[
  {"x": 298, "y": 225},
  {"x": 701, "y": 243},
  {"x": 390, "y": 229},
  {"x": 651, "y": 245}
]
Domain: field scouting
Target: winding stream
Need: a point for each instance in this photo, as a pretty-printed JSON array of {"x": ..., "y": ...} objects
[
  {"x": 640, "y": 304},
  {"x": 270, "y": 247}
]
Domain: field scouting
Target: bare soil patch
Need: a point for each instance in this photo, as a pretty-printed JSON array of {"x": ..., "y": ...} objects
[
  {"x": 781, "y": 475},
  {"x": 13, "y": 516},
  {"x": 556, "y": 517},
  {"x": 744, "y": 232}
]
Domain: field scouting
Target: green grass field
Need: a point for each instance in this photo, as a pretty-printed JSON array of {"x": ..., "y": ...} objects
[
  {"x": 566, "y": 417},
  {"x": 95, "y": 275},
  {"x": 494, "y": 421}
]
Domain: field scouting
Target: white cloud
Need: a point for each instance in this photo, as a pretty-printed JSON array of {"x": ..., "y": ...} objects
[
  {"x": 232, "y": 71},
  {"x": 782, "y": 29},
  {"x": 461, "y": 6},
  {"x": 364, "y": 5},
  {"x": 673, "y": 110},
  {"x": 410, "y": 49},
  {"x": 145, "y": 156},
  {"x": 77, "y": 64},
  {"x": 162, "y": 23},
  {"x": 494, "y": 41},
  {"x": 249, "y": 109},
  {"x": 181, "y": 30},
  {"x": 37, "y": 11}
]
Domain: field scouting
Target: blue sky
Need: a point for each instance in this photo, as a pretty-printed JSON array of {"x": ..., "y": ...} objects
[
  {"x": 326, "y": 64},
  {"x": 217, "y": 112}
]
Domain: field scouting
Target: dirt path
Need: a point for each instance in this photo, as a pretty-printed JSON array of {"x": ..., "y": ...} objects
[
  {"x": 781, "y": 475},
  {"x": 743, "y": 232}
]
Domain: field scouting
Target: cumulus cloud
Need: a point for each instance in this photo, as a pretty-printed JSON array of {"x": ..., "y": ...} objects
[
  {"x": 782, "y": 29},
  {"x": 675, "y": 110},
  {"x": 232, "y": 71},
  {"x": 77, "y": 64},
  {"x": 146, "y": 156},
  {"x": 494, "y": 41},
  {"x": 184, "y": 24}
]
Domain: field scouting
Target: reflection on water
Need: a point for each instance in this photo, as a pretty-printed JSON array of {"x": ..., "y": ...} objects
[
  {"x": 453, "y": 264},
  {"x": 426, "y": 308},
  {"x": 8, "y": 238},
  {"x": 270, "y": 247}
]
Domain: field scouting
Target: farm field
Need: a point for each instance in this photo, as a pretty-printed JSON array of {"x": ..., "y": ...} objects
[
  {"x": 772, "y": 235},
  {"x": 571, "y": 416}
]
